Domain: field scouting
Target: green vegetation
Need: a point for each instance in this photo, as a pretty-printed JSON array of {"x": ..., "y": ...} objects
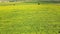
[{"x": 30, "y": 19}]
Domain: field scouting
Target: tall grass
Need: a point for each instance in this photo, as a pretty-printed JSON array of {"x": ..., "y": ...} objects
[{"x": 30, "y": 19}]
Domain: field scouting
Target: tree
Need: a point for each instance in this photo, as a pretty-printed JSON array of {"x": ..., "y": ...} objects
[{"x": 38, "y": 2}]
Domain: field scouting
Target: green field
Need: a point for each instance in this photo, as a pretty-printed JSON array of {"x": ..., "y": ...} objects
[{"x": 29, "y": 19}]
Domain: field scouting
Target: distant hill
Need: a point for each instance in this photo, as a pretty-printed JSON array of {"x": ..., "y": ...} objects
[{"x": 28, "y": 0}]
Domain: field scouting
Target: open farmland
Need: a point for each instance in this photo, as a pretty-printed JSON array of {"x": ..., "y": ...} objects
[{"x": 30, "y": 19}]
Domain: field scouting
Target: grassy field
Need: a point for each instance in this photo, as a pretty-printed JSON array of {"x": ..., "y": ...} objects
[{"x": 30, "y": 19}]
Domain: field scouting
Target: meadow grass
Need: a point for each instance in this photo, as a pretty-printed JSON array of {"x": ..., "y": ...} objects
[{"x": 30, "y": 19}]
